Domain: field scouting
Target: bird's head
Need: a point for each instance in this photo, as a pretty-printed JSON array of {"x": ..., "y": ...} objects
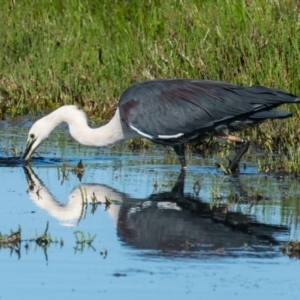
[{"x": 39, "y": 131}]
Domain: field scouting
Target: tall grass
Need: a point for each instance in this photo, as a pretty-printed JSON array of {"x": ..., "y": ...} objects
[{"x": 87, "y": 52}]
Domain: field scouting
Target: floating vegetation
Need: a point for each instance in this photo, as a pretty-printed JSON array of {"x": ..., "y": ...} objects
[
  {"x": 291, "y": 249},
  {"x": 13, "y": 241},
  {"x": 93, "y": 202},
  {"x": 107, "y": 202},
  {"x": 81, "y": 241},
  {"x": 79, "y": 170},
  {"x": 44, "y": 240}
]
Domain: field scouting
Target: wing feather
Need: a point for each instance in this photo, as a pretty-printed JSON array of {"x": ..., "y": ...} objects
[{"x": 172, "y": 107}]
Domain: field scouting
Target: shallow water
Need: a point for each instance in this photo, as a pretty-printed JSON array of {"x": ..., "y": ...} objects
[{"x": 156, "y": 233}]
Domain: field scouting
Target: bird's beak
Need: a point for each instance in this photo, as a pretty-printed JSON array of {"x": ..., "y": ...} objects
[
  {"x": 29, "y": 177},
  {"x": 29, "y": 149}
]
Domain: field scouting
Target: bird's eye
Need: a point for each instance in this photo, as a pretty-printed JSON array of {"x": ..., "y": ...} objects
[{"x": 32, "y": 136}]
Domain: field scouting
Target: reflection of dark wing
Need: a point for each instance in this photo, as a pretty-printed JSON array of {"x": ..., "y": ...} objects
[
  {"x": 162, "y": 228},
  {"x": 174, "y": 221}
]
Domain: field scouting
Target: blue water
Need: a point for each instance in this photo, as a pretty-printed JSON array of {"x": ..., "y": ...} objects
[{"x": 150, "y": 242}]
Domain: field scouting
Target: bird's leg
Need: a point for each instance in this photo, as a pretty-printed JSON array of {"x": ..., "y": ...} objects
[
  {"x": 245, "y": 146},
  {"x": 234, "y": 163},
  {"x": 178, "y": 188},
  {"x": 180, "y": 151}
]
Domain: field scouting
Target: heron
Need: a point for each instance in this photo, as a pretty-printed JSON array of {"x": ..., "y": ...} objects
[{"x": 172, "y": 112}]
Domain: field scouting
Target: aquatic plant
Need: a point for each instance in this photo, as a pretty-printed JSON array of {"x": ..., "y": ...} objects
[
  {"x": 13, "y": 241},
  {"x": 81, "y": 241},
  {"x": 291, "y": 249}
]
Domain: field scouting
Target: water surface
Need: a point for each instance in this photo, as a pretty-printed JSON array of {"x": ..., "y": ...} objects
[{"x": 157, "y": 233}]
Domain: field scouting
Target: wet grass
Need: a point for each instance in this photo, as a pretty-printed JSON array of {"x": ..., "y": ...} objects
[{"x": 87, "y": 52}]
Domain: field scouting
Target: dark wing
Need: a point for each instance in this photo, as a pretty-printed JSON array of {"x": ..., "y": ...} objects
[{"x": 173, "y": 107}]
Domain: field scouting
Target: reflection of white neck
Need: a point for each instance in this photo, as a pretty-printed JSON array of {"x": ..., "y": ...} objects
[{"x": 70, "y": 213}]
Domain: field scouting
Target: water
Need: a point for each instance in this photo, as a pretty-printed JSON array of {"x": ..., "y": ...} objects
[{"x": 156, "y": 234}]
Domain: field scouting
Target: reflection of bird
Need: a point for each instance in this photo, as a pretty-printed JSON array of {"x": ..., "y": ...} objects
[
  {"x": 70, "y": 213},
  {"x": 172, "y": 112},
  {"x": 163, "y": 221}
]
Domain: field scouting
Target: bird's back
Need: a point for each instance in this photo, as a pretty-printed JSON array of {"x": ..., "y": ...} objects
[{"x": 172, "y": 107}]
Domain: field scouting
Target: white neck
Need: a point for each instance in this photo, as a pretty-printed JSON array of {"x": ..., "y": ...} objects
[{"x": 111, "y": 133}]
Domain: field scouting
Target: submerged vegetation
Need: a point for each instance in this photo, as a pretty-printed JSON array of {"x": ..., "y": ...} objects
[{"x": 87, "y": 52}]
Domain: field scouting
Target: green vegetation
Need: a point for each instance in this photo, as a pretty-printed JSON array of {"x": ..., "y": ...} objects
[
  {"x": 87, "y": 52},
  {"x": 13, "y": 241},
  {"x": 291, "y": 249},
  {"x": 81, "y": 241}
]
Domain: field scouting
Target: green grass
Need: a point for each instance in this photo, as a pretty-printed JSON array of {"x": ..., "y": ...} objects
[{"x": 87, "y": 52}]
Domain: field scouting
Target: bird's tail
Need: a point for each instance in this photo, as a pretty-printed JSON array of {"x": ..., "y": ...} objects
[
  {"x": 271, "y": 114},
  {"x": 264, "y": 95}
]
